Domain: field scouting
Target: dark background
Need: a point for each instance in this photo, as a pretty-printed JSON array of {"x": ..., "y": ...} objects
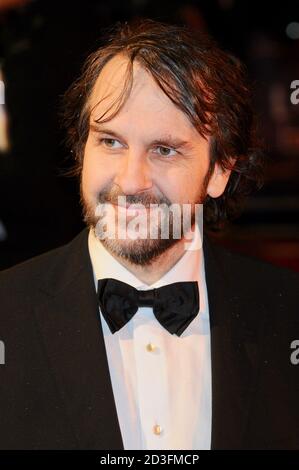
[{"x": 42, "y": 47}]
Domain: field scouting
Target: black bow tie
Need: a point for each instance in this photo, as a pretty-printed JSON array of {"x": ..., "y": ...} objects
[{"x": 174, "y": 305}]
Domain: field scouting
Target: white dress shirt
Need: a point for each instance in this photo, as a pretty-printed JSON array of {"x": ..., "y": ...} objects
[{"x": 161, "y": 382}]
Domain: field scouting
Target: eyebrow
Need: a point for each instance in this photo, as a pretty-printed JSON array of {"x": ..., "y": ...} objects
[{"x": 166, "y": 140}]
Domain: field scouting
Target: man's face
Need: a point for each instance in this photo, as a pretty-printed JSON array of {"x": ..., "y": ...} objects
[{"x": 149, "y": 152}]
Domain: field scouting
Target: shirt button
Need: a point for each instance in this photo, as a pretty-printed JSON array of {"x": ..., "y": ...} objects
[
  {"x": 150, "y": 347},
  {"x": 157, "y": 429}
]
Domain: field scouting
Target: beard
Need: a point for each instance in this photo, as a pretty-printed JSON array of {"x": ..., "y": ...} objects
[{"x": 139, "y": 251}]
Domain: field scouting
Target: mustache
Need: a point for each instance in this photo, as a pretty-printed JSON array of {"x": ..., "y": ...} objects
[{"x": 144, "y": 199}]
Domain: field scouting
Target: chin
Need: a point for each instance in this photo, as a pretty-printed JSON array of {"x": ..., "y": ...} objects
[{"x": 140, "y": 252}]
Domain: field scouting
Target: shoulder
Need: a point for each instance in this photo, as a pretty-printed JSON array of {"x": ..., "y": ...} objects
[
  {"x": 30, "y": 273},
  {"x": 256, "y": 273},
  {"x": 261, "y": 292}
]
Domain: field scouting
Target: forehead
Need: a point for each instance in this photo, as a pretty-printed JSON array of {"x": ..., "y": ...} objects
[{"x": 146, "y": 100}]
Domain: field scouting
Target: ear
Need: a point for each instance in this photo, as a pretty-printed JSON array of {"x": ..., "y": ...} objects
[{"x": 218, "y": 181}]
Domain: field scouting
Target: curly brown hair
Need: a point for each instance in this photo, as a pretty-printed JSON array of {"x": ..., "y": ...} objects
[{"x": 208, "y": 84}]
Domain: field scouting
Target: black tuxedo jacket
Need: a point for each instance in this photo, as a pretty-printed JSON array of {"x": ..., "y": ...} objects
[{"x": 55, "y": 388}]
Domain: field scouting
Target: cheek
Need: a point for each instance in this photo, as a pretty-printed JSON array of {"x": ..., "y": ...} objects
[
  {"x": 181, "y": 185},
  {"x": 90, "y": 177},
  {"x": 94, "y": 174}
]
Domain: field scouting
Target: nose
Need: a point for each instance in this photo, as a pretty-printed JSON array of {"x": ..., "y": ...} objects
[{"x": 134, "y": 174}]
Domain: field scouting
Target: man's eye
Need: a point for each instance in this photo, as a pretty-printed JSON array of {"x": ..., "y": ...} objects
[
  {"x": 109, "y": 142},
  {"x": 166, "y": 151}
]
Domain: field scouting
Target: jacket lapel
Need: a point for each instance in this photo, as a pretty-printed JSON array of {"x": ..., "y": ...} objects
[
  {"x": 234, "y": 347},
  {"x": 71, "y": 331}
]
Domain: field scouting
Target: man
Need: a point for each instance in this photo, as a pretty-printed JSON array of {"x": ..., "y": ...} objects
[{"x": 125, "y": 342}]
